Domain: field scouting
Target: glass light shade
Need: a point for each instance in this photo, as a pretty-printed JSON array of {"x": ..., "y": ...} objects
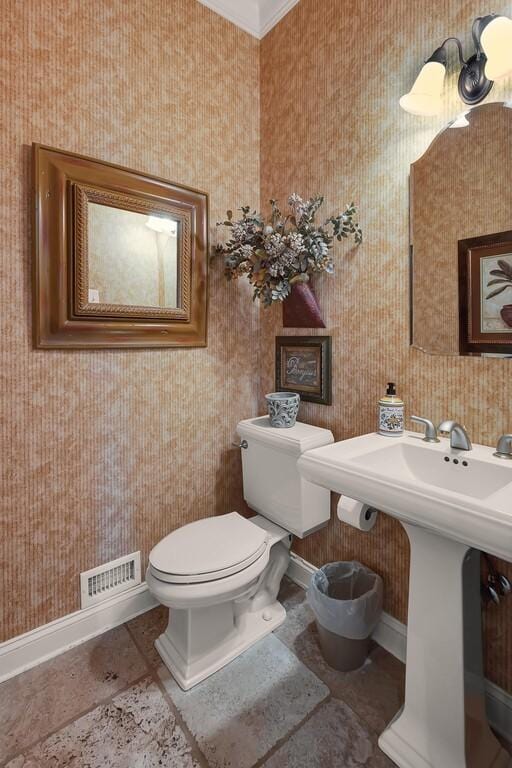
[
  {"x": 496, "y": 42},
  {"x": 424, "y": 98}
]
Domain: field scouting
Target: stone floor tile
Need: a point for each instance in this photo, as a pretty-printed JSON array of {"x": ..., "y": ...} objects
[
  {"x": 335, "y": 737},
  {"x": 375, "y": 691},
  {"x": 135, "y": 730},
  {"x": 241, "y": 712},
  {"x": 146, "y": 628},
  {"x": 39, "y": 701},
  {"x": 289, "y": 592}
]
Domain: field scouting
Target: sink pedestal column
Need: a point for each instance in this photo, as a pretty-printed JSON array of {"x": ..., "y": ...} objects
[{"x": 443, "y": 723}]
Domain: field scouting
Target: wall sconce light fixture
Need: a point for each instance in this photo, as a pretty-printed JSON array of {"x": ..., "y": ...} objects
[{"x": 492, "y": 37}]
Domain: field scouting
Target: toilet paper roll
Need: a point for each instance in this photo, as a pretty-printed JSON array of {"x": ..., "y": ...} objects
[{"x": 356, "y": 513}]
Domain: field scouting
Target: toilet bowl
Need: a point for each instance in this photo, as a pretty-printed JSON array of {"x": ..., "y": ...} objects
[
  {"x": 220, "y": 576},
  {"x": 228, "y": 601}
]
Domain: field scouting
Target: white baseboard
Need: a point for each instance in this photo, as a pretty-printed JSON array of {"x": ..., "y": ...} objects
[
  {"x": 43, "y": 643},
  {"x": 300, "y": 571},
  {"x": 391, "y": 634}
]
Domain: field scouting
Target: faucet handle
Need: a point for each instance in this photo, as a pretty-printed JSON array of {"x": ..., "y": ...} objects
[
  {"x": 504, "y": 447},
  {"x": 430, "y": 430}
]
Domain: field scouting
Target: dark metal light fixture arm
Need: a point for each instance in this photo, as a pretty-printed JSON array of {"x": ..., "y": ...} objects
[
  {"x": 479, "y": 24},
  {"x": 492, "y": 56},
  {"x": 459, "y": 46},
  {"x": 477, "y": 28},
  {"x": 473, "y": 84},
  {"x": 476, "y": 31}
]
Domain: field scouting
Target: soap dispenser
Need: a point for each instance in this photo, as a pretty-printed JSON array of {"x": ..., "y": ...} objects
[{"x": 391, "y": 413}]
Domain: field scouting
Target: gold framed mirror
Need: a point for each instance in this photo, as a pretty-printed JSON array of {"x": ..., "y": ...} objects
[{"x": 120, "y": 257}]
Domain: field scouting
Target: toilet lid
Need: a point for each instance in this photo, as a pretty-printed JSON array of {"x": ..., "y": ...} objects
[{"x": 208, "y": 549}]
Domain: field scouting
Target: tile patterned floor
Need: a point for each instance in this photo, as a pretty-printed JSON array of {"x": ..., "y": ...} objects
[
  {"x": 40, "y": 701},
  {"x": 110, "y": 703},
  {"x": 239, "y": 714}
]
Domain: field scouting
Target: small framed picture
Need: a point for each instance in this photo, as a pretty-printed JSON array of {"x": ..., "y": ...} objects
[
  {"x": 303, "y": 365},
  {"x": 485, "y": 294}
]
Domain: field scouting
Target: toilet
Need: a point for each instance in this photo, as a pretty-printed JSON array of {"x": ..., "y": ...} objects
[{"x": 220, "y": 576}]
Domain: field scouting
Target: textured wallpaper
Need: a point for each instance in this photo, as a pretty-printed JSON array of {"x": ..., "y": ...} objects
[
  {"x": 332, "y": 73},
  {"x": 105, "y": 452}
]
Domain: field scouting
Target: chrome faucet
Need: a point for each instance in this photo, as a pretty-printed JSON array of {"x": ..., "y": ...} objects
[
  {"x": 459, "y": 438},
  {"x": 504, "y": 447}
]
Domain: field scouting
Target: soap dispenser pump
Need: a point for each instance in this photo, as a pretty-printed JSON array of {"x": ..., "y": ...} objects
[{"x": 391, "y": 413}]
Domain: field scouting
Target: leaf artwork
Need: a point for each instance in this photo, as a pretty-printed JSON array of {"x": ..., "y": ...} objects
[
  {"x": 496, "y": 292},
  {"x": 505, "y": 267},
  {"x": 502, "y": 277},
  {"x": 287, "y": 248}
]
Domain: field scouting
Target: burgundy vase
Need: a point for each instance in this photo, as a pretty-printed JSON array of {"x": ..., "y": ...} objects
[
  {"x": 506, "y": 314},
  {"x": 300, "y": 309}
]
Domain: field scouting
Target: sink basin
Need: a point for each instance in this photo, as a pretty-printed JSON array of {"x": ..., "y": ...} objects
[
  {"x": 452, "y": 504},
  {"x": 464, "y": 495}
]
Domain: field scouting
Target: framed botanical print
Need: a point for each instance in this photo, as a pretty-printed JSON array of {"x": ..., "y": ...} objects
[
  {"x": 303, "y": 365},
  {"x": 485, "y": 294}
]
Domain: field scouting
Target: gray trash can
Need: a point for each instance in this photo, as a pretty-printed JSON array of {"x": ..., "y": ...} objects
[{"x": 346, "y": 599}]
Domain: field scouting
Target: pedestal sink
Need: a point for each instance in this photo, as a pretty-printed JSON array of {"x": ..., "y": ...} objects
[{"x": 452, "y": 504}]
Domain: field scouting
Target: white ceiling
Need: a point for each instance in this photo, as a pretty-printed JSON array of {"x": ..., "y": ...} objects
[{"x": 254, "y": 16}]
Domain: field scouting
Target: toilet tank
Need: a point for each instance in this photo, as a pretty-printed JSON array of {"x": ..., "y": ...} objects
[{"x": 273, "y": 486}]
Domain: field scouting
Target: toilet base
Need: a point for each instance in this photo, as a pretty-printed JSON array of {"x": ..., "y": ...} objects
[{"x": 250, "y": 628}]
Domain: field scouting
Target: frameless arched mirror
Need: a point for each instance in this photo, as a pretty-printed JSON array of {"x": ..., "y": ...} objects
[{"x": 461, "y": 237}]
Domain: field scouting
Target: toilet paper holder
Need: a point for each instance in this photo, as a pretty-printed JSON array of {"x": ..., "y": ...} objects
[{"x": 356, "y": 513}]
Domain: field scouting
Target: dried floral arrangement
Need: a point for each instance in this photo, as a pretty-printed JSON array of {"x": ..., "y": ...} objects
[{"x": 286, "y": 249}]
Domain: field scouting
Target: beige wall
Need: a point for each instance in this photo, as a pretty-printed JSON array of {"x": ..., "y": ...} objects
[
  {"x": 332, "y": 73},
  {"x": 104, "y": 452}
]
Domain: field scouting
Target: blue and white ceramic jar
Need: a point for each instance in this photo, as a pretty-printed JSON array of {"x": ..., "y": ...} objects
[{"x": 283, "y": 408}]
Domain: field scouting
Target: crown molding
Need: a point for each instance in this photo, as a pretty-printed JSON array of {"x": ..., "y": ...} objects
[
  {"x": 271, "y": 12},
  {"x": 257, "y": 17}
]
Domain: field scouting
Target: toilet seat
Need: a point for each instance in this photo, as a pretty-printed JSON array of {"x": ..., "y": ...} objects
[{"x": 208, "y": 550}]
